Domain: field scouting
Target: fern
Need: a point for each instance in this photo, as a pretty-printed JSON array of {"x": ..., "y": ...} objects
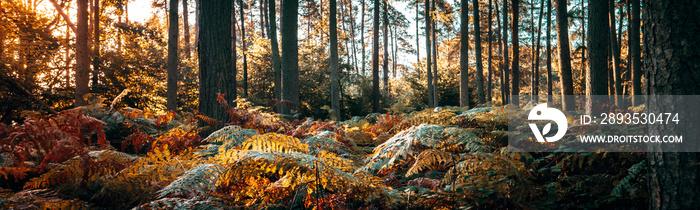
[
  {"x": 82, "y": 169},
  {"x": 626, "y": 184},
  {"x": 272, "y": 142},
  {"x": 184, "y": 204},
  {"x": 230, "y": 136},
  {"x": 197, "y": 181},
  {"x": 326, "y": 140},
  {"x": 429, "y": 158}
]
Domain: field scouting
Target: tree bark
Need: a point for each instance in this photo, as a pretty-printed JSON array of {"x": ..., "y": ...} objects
[
  {"x": 567, "y": 82},
  {"x": 428, "y": 46},
  {"x": 96, "y": 44},
  {"x": 186, "y": 28},
  {"x": 597, "y": 78},
  {"x": 433, "y": 32},
  {"x": 64, "y": 15},
  {"x": 464, "y": 55},
  {"x": 244, "y": 49},
  {"x": 385, "y": 57},
  {"x": 290, "y": 55},
  {"x": 335, "y": 97},
  {"x": 635, "y": 53},
  {"x": 615, "y": 53},
  {"x": 672, "y": 60},
  {"x": 536, "y": 76},
  {"x": 276, "y": 63},
  {"x": 82, "y": 68},
  {"x": 550, "y": 95},
  {"x": 505, "y": 71},
  {"x": 488, "y": 62},
  {"x": 515, "y": 91},
  {"x": 173, "y": 61},
  {"x": 217, "y": 72},
  {"x": 477, "y": 53},
  {"x": 362, "y": 35},
  {"x": 262, "y": 19}
]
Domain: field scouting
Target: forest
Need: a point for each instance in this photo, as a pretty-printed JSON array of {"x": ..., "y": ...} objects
[{"x": 344, "y": 104}]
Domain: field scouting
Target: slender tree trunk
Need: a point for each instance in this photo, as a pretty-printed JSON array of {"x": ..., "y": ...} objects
[
  {"x": 671, "y": 49},
  {"x": 262, "y": 19},
  {"x": 567, "y": 83},
  {"x": 428, "y": 46},
  {"x": 417, "y": 36},
  {"x": 375, "y": 58},
  {"x": 173, "y": 60},
  {"x": 535, "y": 85},
  {"x": 477, "y": 53},
  {"x": 488, "y": 62},
  {"x": 433, "y": 30},
  {"x": 352, "y": 36},
  {"x": 550, "y": 94},
  {"x": 635, "y": 53},
  {"x": 82, "y": 69},
  {"x": 393, "y": 50},
  {"x": 464, "y": 55},
  {"x": 505, "y": 87},
  {"x": 216, "y": 68},
  {"x": 335, "y": 97},
  {"x": 615, "y": 53},
  {"x": 244, "y": 49},
  {"x": 583, "y": 51},
  {"x": 186, "y": 27},
  {"x": 597, "y": 82},
  {"x": 96, "y": 46},
  {"x": 276, "y": 63},
  {"x": 362, "y": 35},
  {"x": 385, "y": 57},
  {"x": 290, "y": 55},
  {"x": 515, "y": 91}
]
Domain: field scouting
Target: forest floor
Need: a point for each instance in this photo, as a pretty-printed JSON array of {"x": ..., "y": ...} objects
[{"x": 443, "y": 158}]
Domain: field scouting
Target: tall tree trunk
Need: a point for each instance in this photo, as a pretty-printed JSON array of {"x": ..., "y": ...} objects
[
  {"x": 488, "y": 61},
  {"x": 615, "y": 53},
  {"x": 433, "y": 30},
  {"x": 550, "y": 94},
  {"x": 276, "y": 63},
  {"x": 335, "y": 97},
  {"x": 515, "y": 91},
  {"x": 428, "y": 46},
  {"x": 244, "y": 49},
  {"x": 375, "y": 58},
  {"x": 597, "y": 82},
  {"x": 477, "y": 53},
  {"x": 505, "y": 87},
  {"x": 173, "y": 61},
  {"x": 417, "y": 36},
  {"x": 671, "y": 58},
  {"x": 464, "y": 54},
  {"x": 290, "y": 55},
  {"x": 262, "y": 19},
  {"x": 385, "y": 57},
  {"x": 82, "y": 68},
  {"x": 352, "y": 35},
  {"x": 217, "y": 71},
  {"x": 186, "y": 27},
  {"x": 393, "y": 50},
  {"x": 96, "y": 46},
  {"x": 536, "y": 84},
  {"x": 362, "y": 35},
  {"x": 635, "y": 53},
  {"x": 583, "y": 51},
  {"x": 567, "y": 82}
]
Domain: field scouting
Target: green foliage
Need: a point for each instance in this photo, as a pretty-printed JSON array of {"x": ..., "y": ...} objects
[{"x": 195, "y": 182}]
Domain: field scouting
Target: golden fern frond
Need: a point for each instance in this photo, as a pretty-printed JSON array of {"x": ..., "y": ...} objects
[
  {"x": 72, "y": 172},
  {"x": 272, "y": 142},
  {"x": 231, "y": 134},
  {"x": 428, "y": 158}
]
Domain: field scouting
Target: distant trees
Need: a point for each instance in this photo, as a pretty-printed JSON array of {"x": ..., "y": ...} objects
[
  {"x": 173, "y": 59},
  {"x": 82, "y": 69},
  {"x": 216, "y": 68}
]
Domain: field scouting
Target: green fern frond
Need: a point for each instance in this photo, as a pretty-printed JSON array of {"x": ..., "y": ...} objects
[
  {"x": 230, "y": 136},
  {"x": 197, "y": 181},
  {"x": 184, "y": 204},
  {"x": 626, "y": 184},
  {"x": 325, "y": 140}
]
